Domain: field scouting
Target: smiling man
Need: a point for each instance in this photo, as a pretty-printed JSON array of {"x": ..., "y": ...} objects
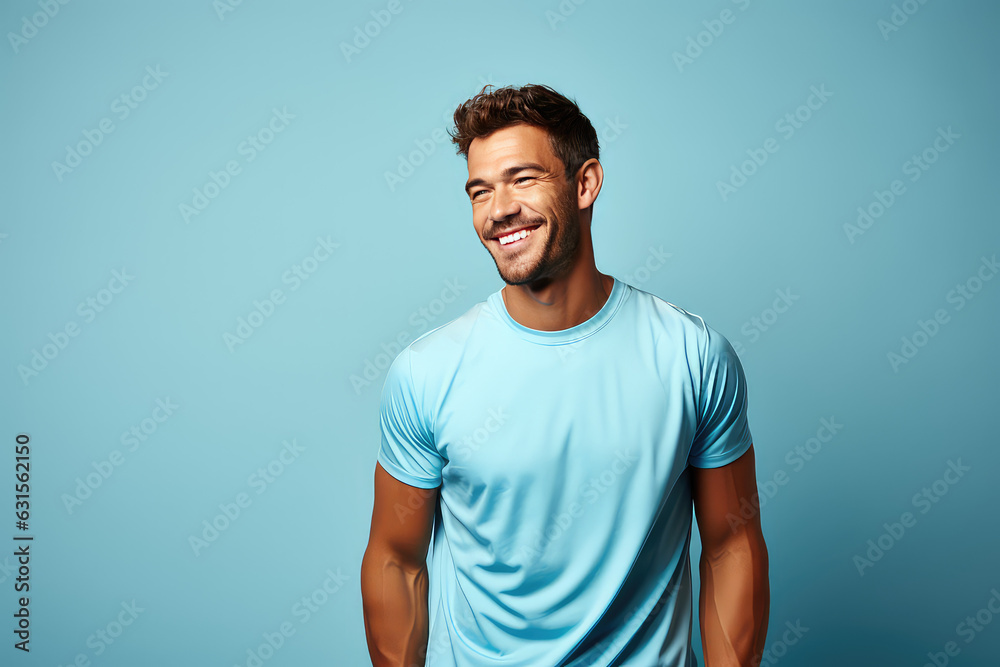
[{"x": 542, "y": 453}]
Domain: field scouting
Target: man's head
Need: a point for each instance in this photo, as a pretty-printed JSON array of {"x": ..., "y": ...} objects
[{"x": 533, "y": 165}]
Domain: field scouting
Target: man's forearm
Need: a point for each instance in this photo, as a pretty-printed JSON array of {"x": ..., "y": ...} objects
[
  {"x": 734, "y": 602},
  {"x": 394, "y": 598}
]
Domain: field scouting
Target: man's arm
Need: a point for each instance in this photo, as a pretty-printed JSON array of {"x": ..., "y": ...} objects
[
  {"x": 735, "y": 595},
  {"x": 394, "y": 572}
]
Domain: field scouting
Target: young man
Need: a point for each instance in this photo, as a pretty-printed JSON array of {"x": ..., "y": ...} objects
[{"x": 548, "y": 444}]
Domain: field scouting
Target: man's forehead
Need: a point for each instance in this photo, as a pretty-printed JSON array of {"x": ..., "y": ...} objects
[{"x": 514, "y": 143}]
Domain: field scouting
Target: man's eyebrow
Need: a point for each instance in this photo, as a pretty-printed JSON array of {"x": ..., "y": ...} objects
[{"x": 505, "y": 174}]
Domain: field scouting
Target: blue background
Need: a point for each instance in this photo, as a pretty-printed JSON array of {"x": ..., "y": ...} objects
[{"x": 671, "y": 130}]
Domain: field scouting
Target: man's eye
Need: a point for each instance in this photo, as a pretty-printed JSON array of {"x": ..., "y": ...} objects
[
  {"x": 524, "y": 178},
  {"x": 476, "y": 193}
]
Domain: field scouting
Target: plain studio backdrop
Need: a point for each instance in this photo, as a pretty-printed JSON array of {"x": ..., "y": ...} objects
[{"x": 223, "y": 218}]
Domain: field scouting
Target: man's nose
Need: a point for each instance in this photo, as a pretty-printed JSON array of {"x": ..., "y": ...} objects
[{"x": 504, "y": 204}]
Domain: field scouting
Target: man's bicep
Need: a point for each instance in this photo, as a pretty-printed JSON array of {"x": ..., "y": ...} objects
[
  {"x": 402, "y": 517},
  {"x": 721, "y": 496}
]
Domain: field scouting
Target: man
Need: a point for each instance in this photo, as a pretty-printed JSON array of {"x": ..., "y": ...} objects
[{"x": 548, "y": 444}]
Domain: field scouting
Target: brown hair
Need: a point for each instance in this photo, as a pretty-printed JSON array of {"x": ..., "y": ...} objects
[{"x": 573, "y": 138}]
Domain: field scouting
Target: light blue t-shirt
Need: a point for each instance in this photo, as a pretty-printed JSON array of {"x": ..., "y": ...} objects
[{"x": 563, "y": 529}]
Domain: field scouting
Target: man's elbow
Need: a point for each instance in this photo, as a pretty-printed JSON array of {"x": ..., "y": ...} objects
[
  {"x": 385, "y": 570},
  {"x": 380, "y": 555},
  {"x": 744, "y": 544}
]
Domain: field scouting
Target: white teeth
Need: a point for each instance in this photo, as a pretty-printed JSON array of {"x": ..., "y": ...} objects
[{"x": 504, "y": 240}]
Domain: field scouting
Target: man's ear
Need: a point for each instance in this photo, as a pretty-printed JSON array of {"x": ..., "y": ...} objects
[{"x": 589, "y": 179}]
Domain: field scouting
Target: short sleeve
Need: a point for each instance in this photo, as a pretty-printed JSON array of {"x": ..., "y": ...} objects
[
  {"x": 407, "y": 452},
  {"x": 723, "y": 433}
]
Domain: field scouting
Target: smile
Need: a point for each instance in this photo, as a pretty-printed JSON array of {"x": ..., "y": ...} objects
[{"x": 515, "y": 237}]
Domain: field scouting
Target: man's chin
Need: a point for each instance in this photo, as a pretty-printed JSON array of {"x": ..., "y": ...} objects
[
  {"x": 534, "y": 279},
  {"x": 516, "y": 280}
]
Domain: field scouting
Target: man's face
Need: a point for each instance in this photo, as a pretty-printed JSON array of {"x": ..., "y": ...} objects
[{"x": 516, "y": 183}]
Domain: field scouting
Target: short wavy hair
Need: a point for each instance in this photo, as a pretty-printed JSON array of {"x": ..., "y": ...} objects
[{"x": 573, "y": 138}]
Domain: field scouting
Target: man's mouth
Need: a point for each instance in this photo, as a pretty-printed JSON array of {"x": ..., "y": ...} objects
[{"x": 515, "y": 237}]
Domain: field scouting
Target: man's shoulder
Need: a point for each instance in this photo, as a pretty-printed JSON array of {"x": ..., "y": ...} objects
[
  {"x": 427, "y": 360},
  {"x": 437, "y": 353},
  {"x": 680, "y": 331},
  {"x": 667, "y": 314},
  {"x": 451, "y": 335}
]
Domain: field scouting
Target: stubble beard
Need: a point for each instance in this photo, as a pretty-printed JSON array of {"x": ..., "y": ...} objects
[{"x": 557, "y": 255}]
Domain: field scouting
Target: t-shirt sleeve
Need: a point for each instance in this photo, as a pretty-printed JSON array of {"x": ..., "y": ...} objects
[
  {"x": 723, "y": 434},
  {"x": 407, "y": 452}
]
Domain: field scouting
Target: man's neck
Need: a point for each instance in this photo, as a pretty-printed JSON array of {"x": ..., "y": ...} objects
[{"x": 560, "y": 304}]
